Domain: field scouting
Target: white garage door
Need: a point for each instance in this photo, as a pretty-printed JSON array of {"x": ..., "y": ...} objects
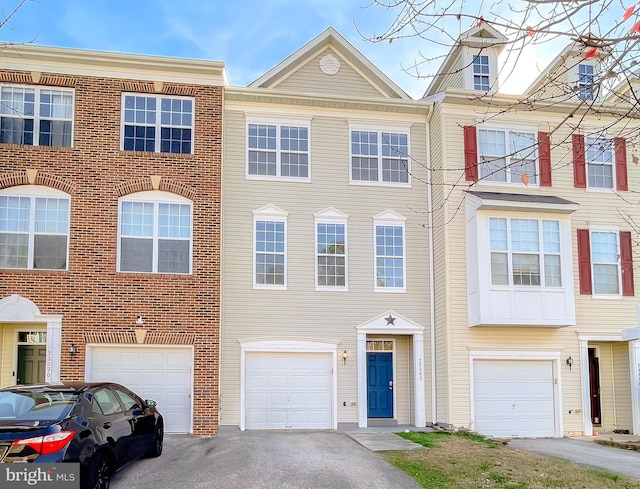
[
  {"x": 514, "y": 398},
  {"x": 288, "y": 390},
  {"x": 159, "y": 373}
]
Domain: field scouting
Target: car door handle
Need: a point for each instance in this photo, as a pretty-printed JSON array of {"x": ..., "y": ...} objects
[{"x": 106, "y": 425}]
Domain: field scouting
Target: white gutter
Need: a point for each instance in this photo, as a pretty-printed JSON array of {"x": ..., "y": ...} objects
[{"x": 432, "y": 300}]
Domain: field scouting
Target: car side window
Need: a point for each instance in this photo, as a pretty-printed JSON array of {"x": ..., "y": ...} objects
[
  {"x": 107, "y": 401},
  {"x": 129, "y": 402}
]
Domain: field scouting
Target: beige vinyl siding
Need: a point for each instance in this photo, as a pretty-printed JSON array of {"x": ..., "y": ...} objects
[
  {"x": 309, "y": 79},
  {"x": 300, "y": 312},
  {"x": 615, "y": 386},
  {"x": 453, "y": 79},
  {"x": 594, "y": 316}
]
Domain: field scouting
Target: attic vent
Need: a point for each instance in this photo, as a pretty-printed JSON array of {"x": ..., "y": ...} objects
[
  {"x": 179, "y": 90},
  {"x": 8, "y": 76},
  {"x": 329, "y": 64},
  {"x": 137, "y": 86},
  {"x": 57, "y": 80}
]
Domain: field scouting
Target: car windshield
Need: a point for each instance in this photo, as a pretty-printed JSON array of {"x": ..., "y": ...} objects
[{"x": 35, "y": 406}]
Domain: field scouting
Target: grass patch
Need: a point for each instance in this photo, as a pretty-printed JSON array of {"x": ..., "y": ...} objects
[{"x": 468, "y": 461}]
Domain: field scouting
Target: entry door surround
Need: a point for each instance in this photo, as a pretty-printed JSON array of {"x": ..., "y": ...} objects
[{"x": 392, "y": 323}]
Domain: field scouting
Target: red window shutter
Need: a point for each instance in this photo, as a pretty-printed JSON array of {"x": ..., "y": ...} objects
[
  {"x": 579, "y": 164},
  {"x": 620, "y": 147},
  {"x": 544, "y": 158},
  {"x": 470, "y": 154},
  {"x": 626, "y": 260},
  {"x": 584, "y": 261}
]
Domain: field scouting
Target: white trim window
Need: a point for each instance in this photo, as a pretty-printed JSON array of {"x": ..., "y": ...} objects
[
  {"x": 34, "y": 228},
  {"x": 505, "y": 155},
  {"x": 379, "y": 155},
  {"x": 389, "y": 253},
  {"x": 599, "y": 160},
  {"x": 586, "y": 77},
  {"x": 525, "y": 252},
  {"x": 270, "y": 248},
  {"x": 154, "y": 233},
  {"x": 331, "y": 254},
  {"x": 278, "y": 150},
  {"x": 36, "y": 116},
  {"x": 481, "y": 80},
  {"x": 157, "y": 123},
  {"x": 605, "y": 262}
]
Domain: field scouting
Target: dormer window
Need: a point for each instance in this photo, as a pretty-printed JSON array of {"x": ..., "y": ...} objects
[
  {"x": 585, "y": 82},
  {"x": 481, "y": 73}
]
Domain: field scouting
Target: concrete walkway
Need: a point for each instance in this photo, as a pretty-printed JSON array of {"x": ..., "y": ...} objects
[{"x": 383, "y": 438}]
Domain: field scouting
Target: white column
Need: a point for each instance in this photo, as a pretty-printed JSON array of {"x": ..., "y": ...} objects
[
  {"x": 587, "y": 427},
  {"x": 362, "y": 379},
  {"x": 54, "y": 346},
  {"x": 634, "y": 367},
  {"x": 418, "y": 379}
]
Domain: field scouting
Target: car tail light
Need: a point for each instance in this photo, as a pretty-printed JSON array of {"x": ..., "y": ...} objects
[{"x": 47, "y": 444}]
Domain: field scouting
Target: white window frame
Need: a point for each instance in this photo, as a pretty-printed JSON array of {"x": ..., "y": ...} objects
[
  {"x": 586, "y": 86},
  {"x": 589, "y": 165},
  {"x": 401, "y": 129},
  {"x": 535, "y": 156},
  {"x": 573, "y": 76},
  {"x": 467, "y": 57},
  {"x": 541, "y": 253},
  {"x": 480, "y": 74},
  {"x": 155, "y": 197},
  {"x": 37, "y": 117},
  {"x": 615, "y": 232},
  {"x": 390, "y": 218},
  {"x": 332, "y": 216},
  {"x": 158, "y": 124},
  {"x": 33, "y": 192},
  {"x": 274, "y": 214},
  {"x": 279, "y": 123}
]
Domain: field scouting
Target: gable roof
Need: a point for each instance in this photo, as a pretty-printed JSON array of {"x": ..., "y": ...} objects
[
  {"x": 330, "y": 37},
  {"x": 481, "y": 36}
]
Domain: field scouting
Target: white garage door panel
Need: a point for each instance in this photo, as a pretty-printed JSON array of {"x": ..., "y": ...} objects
[
  {"x": 158, "y": 373},
  {"x": 288, "y": 390},
  {"x": 514, "y": 398}
]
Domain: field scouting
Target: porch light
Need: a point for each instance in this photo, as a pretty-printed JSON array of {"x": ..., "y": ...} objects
[
  {"x": 569, "y": 362},
  {"x": 344, "y": 355},
  {"x": 72, "y": 349},
  {"x": 140, "y": 320}
]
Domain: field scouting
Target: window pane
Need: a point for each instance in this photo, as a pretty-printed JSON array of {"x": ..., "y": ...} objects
[
  {"x": 50, "y": 252},
  {"x": 16, "y": 131},
  {"x": 524, "y": 235},
  {"x": 526, "y": 269},
  {"x": 136, "y": 255},
  {"x": 136, "y": 219},
  {"x": 604, "y": 247},
  {"x": 498, "y": 233},
  {"x": 174, "y": 220},
  {"x": 331, "y": 271},
  {"x": 389, "y": 256},
  {"x": 551, "y": 236},
  {"x": 262, "y": 163},
  {"x": 605, "y": 279},
  {"x": 395, "y": 170},
  {"x": 14, "y": 214},
  {"x": 364, "y": 169},
  {"x": 52, "y": 215},
  {"x": 269, "y": 269},
  {"x": 173, "y": 256},
  {"x": 14, "y": 250},
  {"x": 499, "y": 269},
  {"x": 552, "y": 271}
]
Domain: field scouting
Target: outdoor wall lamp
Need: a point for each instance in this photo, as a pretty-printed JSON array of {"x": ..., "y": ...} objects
[
  {"x": 344, "y": 355},
  {"x": 140, "y": 320},
  {"x": 72, "y": 349},
  {"x": 569, "y": 362}
]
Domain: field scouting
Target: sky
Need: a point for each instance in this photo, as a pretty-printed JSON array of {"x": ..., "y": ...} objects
[{"x": 249, "y": 36}]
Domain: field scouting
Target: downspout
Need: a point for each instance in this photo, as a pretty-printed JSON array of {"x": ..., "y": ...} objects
[{"x": 432, "y": 300}]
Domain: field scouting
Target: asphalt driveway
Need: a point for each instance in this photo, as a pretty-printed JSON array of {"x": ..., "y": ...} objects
[
  {"x": 586, "y": 453},
  {"x": 264, "y": 459}
]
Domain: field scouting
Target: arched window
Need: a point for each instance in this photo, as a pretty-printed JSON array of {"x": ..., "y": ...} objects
[
  {"x": 154, "y": 233},
  {"x": 34, "y": 228}
]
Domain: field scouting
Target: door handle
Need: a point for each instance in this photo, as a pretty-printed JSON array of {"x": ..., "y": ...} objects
[
  {"x": 391, "y": 385},
  {"x": 106, "y": 425}
]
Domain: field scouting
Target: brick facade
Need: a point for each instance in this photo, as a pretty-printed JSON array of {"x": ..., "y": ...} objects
[{"x": 90, "y": 294}]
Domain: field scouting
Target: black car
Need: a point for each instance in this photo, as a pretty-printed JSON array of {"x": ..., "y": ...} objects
[{"x": 103, "y": 426}]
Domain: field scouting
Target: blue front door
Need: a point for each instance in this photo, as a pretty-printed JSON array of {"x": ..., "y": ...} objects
[{"x": 379, "y": 385}]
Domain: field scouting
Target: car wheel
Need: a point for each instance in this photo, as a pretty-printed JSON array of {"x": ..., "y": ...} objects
[
  {"x": 158, "y": 438},
  {"x": 100, "y": 470}
]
